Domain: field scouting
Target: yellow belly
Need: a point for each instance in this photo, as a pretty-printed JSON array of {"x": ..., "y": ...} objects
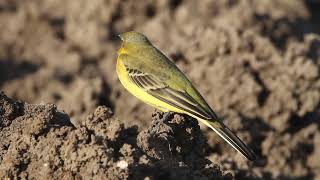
[{"x": 140, "y": 93}]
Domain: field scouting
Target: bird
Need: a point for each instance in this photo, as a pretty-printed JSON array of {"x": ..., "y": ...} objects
[{"x": 153, "y": 78}]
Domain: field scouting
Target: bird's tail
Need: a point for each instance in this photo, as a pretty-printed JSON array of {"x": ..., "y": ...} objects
[{"x": 224, "y": 132}]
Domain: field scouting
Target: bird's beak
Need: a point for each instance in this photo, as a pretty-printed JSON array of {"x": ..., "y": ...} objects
[{"x": 119, "y": 35}]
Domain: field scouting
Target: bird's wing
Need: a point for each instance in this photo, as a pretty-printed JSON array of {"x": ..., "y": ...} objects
[{"x": 162, "y": 91}]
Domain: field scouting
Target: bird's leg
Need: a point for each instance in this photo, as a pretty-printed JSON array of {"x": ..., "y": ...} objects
[{"x": 164, "y": 118}]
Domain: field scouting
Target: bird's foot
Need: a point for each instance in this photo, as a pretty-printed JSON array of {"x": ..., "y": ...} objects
[{"x": 164, "y": 118}]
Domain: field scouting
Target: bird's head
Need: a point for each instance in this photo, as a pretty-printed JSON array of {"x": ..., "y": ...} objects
[{"x": 134, "y": 37}]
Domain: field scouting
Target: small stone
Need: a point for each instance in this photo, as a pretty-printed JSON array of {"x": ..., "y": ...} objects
[{"x": 122, "y": 164}]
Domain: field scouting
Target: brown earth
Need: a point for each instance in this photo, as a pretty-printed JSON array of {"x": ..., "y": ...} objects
[
  {"x": 256, "y": 62},
  {"x": 40, "y": 142}
]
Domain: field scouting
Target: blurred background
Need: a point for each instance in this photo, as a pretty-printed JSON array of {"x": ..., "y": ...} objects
[{"x": 256, "y": 62}]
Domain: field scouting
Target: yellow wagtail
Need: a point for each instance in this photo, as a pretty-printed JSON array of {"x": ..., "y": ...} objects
[{"x": 150, "y": 76}]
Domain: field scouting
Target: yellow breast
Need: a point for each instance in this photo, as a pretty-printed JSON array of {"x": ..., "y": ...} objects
[{"x": 140, "y": 93}]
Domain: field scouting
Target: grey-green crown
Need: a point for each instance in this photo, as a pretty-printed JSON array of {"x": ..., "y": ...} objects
[{"x": 134, "y": 37}]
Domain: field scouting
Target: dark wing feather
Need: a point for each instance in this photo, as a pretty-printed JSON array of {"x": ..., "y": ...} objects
[{"x": 157, "y": 88}]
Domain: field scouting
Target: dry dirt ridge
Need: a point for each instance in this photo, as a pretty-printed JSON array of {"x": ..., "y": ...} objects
[{"x": 40, "y": 142}]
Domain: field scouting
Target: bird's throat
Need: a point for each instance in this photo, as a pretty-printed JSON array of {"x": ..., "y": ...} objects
[{"x": 122, "y": 50}]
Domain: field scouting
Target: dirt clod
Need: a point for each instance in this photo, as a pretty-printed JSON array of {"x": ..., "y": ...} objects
[{"x": 40, "y": 143}]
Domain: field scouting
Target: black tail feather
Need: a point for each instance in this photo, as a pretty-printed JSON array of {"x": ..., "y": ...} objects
[{"x": 232, "y": 139}]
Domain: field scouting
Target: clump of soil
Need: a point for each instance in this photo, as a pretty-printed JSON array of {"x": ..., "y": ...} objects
[{"x": 40, "y": 142}]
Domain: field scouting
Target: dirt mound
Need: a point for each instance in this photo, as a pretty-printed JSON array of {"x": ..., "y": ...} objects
[{"x": 40, "y": 142}]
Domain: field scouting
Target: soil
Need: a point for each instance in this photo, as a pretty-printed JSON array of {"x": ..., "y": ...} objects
[
  {"x": 64, "y": 114},
  {"x": 41, "y": 142}
]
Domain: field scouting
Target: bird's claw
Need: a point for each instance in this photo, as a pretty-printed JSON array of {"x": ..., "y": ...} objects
[{"x": 164, "y": 118}]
